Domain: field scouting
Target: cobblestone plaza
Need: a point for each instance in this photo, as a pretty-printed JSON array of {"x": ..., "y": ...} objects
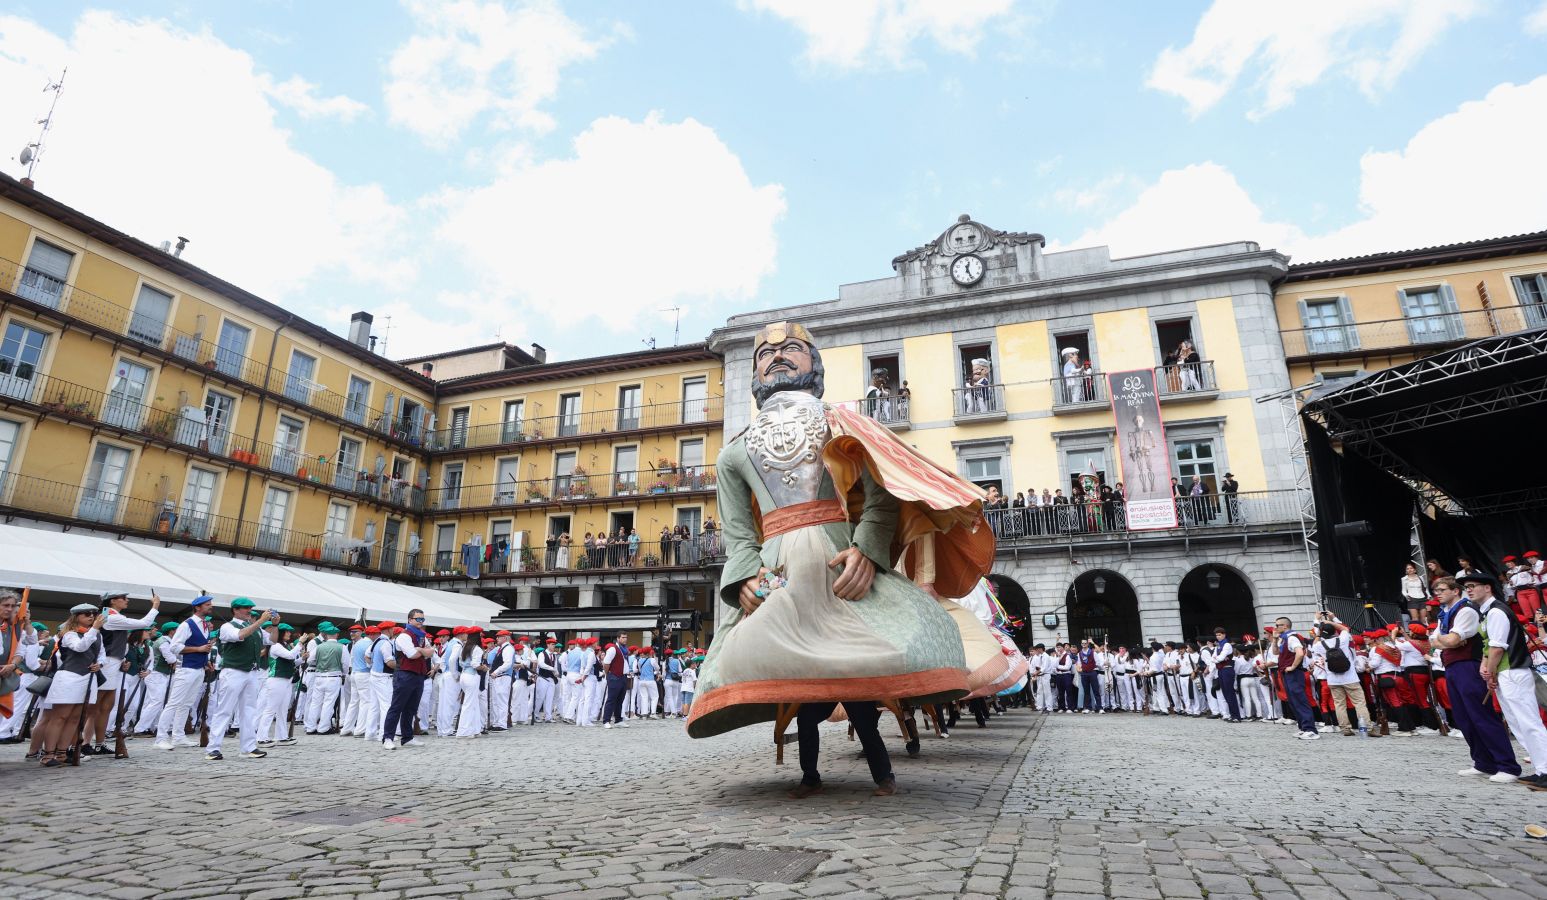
[{"x": 1033, "y": 806}]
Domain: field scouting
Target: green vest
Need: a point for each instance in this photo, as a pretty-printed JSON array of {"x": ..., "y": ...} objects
[
  {"x": 162, "y": 666},
  {"x": 330, "y": 655},
  {"x": 1516, "y": 654},
  {"x": 281, "y": 668},
  {"x": 242, "y": 655}
]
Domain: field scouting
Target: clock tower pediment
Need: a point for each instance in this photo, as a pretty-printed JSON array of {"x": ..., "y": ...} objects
[{"x": 970, "y": 255}]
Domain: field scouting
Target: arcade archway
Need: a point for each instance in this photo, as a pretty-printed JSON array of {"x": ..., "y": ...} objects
[
  {"x": 1103, "y": 606},
  {"x": 1213, "y": 595},
  {"x": 1017, "y": 606}
]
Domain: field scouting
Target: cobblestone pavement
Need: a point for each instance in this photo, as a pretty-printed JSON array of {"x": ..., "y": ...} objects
[{"x": 1033, "y": 806}]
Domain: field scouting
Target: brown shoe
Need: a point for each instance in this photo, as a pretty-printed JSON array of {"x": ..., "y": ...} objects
[
  {"x": 802, "y": 791},
  {"x": 885, "y": 789}
]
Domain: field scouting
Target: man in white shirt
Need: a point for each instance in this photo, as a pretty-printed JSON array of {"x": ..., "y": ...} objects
[
  {"x": 1342, "y": 685},
  {"x": 241, "y": 678},
  {"x": 1506, "y": 667},
  {"x": 501, "y": 679},
  {"x": 549, "y": 676},
  {"x": 445, "y": 670},
  {"x": 1292, "y": 666}
]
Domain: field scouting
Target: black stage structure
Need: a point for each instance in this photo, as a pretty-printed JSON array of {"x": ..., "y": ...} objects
[{"x": 1444, "y": 456}]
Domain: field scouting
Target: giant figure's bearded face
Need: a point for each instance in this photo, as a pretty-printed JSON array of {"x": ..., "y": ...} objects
[{"x": 788, "y": 365}]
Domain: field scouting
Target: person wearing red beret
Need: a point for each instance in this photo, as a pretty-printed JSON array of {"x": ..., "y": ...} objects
[
  {"x": 1415, "y": 668},
  {"x": 448, "y": 698},
  {"x": 548, "y": 672},
  {"x": 501, "y": 681}
]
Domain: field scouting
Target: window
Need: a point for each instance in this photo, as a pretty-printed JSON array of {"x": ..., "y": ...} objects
[
  {"x": 347, "y": 467},
  {"x": 499, "y": 532},
  {"x": 1193, "y": 462},
  {"x": 1082, "y": 463},
  {"x": 218, "y": 411},
  {"x": 513, "y": 421},
  {"x": 1077, "y": 381},
  {"x": 458, "y": 432},
  {"x": 231, "y": 349},
  {"x": 358, "y": 401},
  {"x": 104, "y": 480},
  {"x": 1171, "y": 334},
  {"x": 984, "y": 473},
  {"x": 695, "y": 400},
  {"x": 21, "y": 355},
  {"x": 1532, "y": 291},
  {"x": 151, "y": 311},
  {"x": 271, "y": 520},
  {"x": 445, "y": 546},
  {"x": 692, "y": 517},
  {"x": 1329, "y": 326},
  {"x": 336, "y": 531},
  {"x": 451, "y": 486},
  {"x": 692, "y": 453},
  {"x": 970, "y": 352},
  {"x": 569, "y": 415},
  {"x": 625, "y": 465},
  {"x": 10, "y": 436},
  {"x": 628, "y": 408},
  {"x": 1432, "y": 314},
  {"x": 126, "y": 392},
  {"x": 47, "y": 270},
  {"x": 298, "y": 380},
  {"x": 198, "y": 503},
  {"x": 563, "y": 472},
  {"x": 287, "y": 445},
  {"x": 883, "y": 383},
  {"x": 410, "y": 420},
  {"x": 507, "y": 479}
]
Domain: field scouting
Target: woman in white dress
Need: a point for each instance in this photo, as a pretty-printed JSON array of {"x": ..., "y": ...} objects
[
  {"x": 470, "y": 669},
  {"x": 80, "y": 658}
]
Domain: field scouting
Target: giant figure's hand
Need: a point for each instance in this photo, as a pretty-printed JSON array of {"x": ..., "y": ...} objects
[
  {"x": 853, "y": 583},
  {"x": 750, "y": 601}
]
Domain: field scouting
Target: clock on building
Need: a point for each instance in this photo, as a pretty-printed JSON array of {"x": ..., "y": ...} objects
[{"x": 967, "y": 269}]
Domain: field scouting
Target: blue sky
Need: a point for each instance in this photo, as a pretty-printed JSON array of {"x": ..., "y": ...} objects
[{"x": 561, "y": 173}]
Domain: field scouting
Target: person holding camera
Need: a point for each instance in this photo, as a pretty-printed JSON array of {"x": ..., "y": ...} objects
[
  {"x": 1333, "y": 654},
  {"x": 241, "y": 679}
]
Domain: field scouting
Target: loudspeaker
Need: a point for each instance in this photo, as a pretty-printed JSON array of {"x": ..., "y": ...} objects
[{"x": 1361, "y": 528}]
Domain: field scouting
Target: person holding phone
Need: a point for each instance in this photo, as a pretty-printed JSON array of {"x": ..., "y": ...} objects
[{"x": 241, "y": 678}]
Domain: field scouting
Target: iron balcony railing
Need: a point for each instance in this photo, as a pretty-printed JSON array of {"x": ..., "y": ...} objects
[
  {"x": 1353, "y": 338},
  {"x": 122, "y": 411},
  {"x": 612, "y": 554},
  {"x": 986, "y": 401},
  {"x": 576, "y": 488},
  {"x": 1211, "y": 513},
  {"x": 579, "y": 424},
  {"x": 41, "y": 289},
  {"x": 893, "y": 411},
  {"x": 108, "y": 505},
  {"x": 1181, "y": 379},
  {"x": 1085, "y": 386}
]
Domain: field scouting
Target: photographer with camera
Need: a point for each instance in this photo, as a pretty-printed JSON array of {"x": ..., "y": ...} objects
[
  {"x": 1333, "y": 654},
  {"x": 241, "y": 678}
]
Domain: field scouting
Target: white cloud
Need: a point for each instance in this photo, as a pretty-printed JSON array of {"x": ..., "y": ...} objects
[
  {"x": 162, "y": 132},
  {"x": 301, "y": 95},
  {"x": 1536, "y": 22},
  {"x": 855, "y": 33},
  {"x": 1443, "y": 187},
  {"x": 470, "y": 58},
  {"x": 644, "y": 215},
  {"x": 1298, "y": 43}
]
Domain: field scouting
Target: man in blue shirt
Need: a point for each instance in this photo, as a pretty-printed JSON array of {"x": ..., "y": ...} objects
[{"x": 359, "y": 701}]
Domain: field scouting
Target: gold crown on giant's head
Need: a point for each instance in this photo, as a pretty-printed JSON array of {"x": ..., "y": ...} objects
[{"x": 779, "y": 332}]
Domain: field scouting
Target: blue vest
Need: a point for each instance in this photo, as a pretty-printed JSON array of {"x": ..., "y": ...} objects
[
  {"x": 379, "y": 655},
  {"x": 196, "y": 637},
  {"x": 647, "y": 668}
]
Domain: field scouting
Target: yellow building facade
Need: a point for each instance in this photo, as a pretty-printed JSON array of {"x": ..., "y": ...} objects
[{"x": 1343, "y": 318}]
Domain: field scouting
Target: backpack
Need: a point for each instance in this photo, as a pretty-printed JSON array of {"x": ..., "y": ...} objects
[{"x": 1337, "y": 661}]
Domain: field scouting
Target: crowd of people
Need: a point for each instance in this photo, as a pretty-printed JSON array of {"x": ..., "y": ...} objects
[
  {"x": 1102, "y": 507},
  {"x": 627, "y": 548}
]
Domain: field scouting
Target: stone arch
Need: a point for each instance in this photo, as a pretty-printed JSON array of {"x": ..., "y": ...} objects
[
  {"x": 1215, "y": 594},
  {"x": 1017, "y": 605},
  {"x": 1103, "y": 605}
]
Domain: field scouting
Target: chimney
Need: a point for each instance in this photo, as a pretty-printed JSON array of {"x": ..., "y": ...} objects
[
  {"x": 428, "y": 369},
  {"x": 539, "y": 353},
  {"x": 360, "y": 329}
]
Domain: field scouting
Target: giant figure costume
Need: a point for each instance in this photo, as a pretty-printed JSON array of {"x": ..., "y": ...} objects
[{"x": 805, "y": 482}]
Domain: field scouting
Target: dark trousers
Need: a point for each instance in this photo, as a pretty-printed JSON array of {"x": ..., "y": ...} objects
[
  {"x": 612, "y": 709},
  {"x": 1225, "y": 678},
  {"x": 1068, "y": 697},
  {"x": 863, "y": 715},
  {"x": 1299, "y": 704},
  {"x": 1482, "y": 727},
  {"x": 407, "y": 688},
  {"x": 1091, "y": 688}
]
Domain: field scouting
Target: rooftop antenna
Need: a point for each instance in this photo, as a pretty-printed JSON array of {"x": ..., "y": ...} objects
[
  {"x": 648, "y": 342},
  {"x": 676, "y": 328},
  {"x": 386, "y": 332},
  {"x": 31, "y": 153}
]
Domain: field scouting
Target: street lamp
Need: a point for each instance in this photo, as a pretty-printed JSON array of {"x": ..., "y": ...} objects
[
  {"x": 1100, "y": 584},
  {"x": 1212, "y": 579}
]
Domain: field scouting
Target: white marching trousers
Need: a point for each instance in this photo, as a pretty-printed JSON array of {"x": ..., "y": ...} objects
[
  {"x": 238, "y": 703},
  {"x": 544, "y": 699},
  {"x": 470, "y": 717},
  {"x": 276, "y": 706},
  {"x": 450, "y": 702},
  {"x": 673, "y": 697},
  {"x": 354, "y": 703},
  {"x": 321, "y": 699},
  {"x": 186, "y": 687}
]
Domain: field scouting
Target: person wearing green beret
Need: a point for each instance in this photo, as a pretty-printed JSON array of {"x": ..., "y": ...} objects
[
  {"x": 326, "y": 661},
  {"x": 158, "y": 681},
  {"x": 279, "y": 686},
  {"x": 241, "y": 678}
]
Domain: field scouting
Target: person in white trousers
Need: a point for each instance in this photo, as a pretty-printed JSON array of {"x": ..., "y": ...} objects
[
  {"x": 380, "y": 680},
  {"x": 241, "y": 678},
  {"x": 673, "y": 684},
  {"x": 358, "y": 682},
  {"x": 1506, "y": 668},
  {"x": 190, "y": 647},
  {"x": 585, "y": 689},
  {"x": 279, "y": 688},
  {"x": 326, "y": 662},
  {"x": 31, "y": 660},
  {"x": 157, "y": 681},
  {"x": 549, "y": 678},
  {"x": 450, "y": 688},
  {"x": 501, "y": 681},
  {"x": 521, "y": 686},
  {"x": 469, "y": 667}
]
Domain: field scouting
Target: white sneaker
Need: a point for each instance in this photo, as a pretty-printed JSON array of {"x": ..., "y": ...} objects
[
  {"x": 163, "y": 745},
  {"x": 1422, "y": 730},
  {"x": 622, "y": 724},
  {"x": 389, "y": 744},
  {"x": 1472, "y": 772},
  {"x": 1308, "y": 736},
  {"x": 608, "y": 726},
  {"x": 1503, "y": 778}
]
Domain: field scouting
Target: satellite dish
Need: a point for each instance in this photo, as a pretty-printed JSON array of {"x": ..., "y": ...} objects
[{"x": 26, "y": 154}]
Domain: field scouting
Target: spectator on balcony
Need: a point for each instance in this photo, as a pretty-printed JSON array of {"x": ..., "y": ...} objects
[
  {"x": 1230, "y": 487},
  {"x": 563, "y": 557},
  {"x": 666, "y": 541},
  {"x": 1191, "y": 365},
  {"x": 633, "y": 546},
  {"x": 1415, "y": 592},
  {"x": 1073, "y": 383},
  {"x": 878, "y": 397},
  {"x": 979, "y": 396}
]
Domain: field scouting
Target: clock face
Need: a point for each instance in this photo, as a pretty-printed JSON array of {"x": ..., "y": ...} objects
[{"x": 966, "y": 270}]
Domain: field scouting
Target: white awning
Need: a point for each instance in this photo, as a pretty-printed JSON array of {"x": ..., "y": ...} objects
[
  {"x": 269, "y": 585},
  {"x": 390, "y": 600},
  {"x": 80, "y": 564}
]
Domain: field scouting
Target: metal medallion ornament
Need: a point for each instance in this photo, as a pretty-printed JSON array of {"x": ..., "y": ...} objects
[{"x": 786, "y": 437}]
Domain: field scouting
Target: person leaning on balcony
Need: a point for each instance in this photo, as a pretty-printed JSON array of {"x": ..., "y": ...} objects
[
  {"x": 666, "y": 539},
  {"x": 1074, "y": 385},
  {"x": 1189, "y": 362},
  {"x": 1229, "y": 487},
  {"x": 633, "y": 546}
]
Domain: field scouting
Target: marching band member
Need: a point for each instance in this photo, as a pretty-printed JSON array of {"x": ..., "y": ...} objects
[
  {"x": 326, "y": 662},
  {"x": 190, "y": 645},
  {"x": 279, "y": 688}
]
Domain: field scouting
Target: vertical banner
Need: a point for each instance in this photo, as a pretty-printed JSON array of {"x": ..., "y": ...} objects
[{"x": 1141, "y": 450}]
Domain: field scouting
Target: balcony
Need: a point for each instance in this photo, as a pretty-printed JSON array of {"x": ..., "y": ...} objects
[
  {"x": 1083, "y": 391},
  {"x": 191, "y": 350},
  {"x": 979, "y": 404},
  {"x": 611, "y": 558},
  {"x": 162, "y": 519},
  {"x": 894, "y": 412},
  {"x": 1413, "y": 335},
  {"x": 188, "y": 430},
  {"x": 1202, "y": 516},
  {"x": 581, "y": 487},
  {"x": 552, "y": 429},
  {"x": 1188, "y": 381}
]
